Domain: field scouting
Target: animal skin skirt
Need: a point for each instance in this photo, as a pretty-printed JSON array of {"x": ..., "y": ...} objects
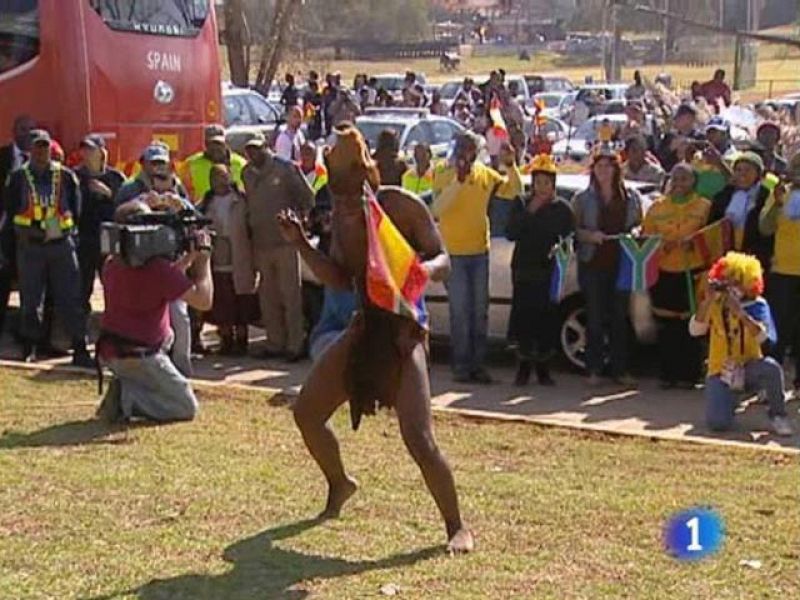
[{"x": 382, "y": 344}]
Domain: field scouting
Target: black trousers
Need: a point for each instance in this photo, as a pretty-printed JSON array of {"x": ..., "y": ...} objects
[
  {"x": 535, "y": 320},
  {"x": 680, "y": 353},
  {"x": 783, "y": 295},
  {"x": 89, "y": 263}
]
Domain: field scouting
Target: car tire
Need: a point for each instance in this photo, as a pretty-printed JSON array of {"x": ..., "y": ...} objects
[{"x": 572, "y": 332}]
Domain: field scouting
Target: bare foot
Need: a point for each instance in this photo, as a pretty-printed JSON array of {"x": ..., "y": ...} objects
[
  {"x": 461, "y": 542},
  {"x": 337, "y": 496}
]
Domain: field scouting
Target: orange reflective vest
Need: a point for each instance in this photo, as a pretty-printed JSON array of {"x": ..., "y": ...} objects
[{"x": 41, "y": 210}]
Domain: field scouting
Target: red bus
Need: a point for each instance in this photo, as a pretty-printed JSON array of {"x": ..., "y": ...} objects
[{"x": 129, "y": 70}]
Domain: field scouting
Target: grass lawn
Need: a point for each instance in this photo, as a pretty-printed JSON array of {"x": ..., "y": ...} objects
[{"x": 218, "y": 508}]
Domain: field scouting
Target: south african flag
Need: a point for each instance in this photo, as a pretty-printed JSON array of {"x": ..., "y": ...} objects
[{"x": 638, "y": 263}]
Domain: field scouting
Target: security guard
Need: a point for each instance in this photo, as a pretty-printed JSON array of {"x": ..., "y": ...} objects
[
  {"x": 43, "y": 204},
  {"x": 196, "y": 174},
  {"x": 419, "y": 178}
]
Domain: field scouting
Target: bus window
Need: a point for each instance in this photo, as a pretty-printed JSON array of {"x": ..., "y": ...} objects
[
  {"x": 159, "y": 17},
  {"x": 19, "y": 32}
]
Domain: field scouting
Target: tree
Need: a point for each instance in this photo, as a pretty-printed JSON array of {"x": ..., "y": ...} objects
[
  {"x": 274, "y": 43},
  {"x": 237, "y": 40}
]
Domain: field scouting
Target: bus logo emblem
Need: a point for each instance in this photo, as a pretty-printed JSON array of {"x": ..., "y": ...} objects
[{"x": 164, "y": 93}]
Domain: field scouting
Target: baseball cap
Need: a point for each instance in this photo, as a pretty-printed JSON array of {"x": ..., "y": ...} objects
[
  {"x": 686, "y": 109},
  {"x": 752, "y": 158},
  {"x": 217, "y": 139},
  {"x": 93, "y": 141},
  {"x": 156, "y": 152},
  {"x": 635, "y": 104},
  {"x": 215, "y": 130},
  {"x": 40, "y": 136},
  {"x": 718, "y": 124},
  {"x": 769, "y": 125},
  {"x": 257, "y": 141}
]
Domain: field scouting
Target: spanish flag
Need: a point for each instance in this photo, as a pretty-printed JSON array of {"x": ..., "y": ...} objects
[
  {"x": 396, "y": 278},
  {"x": 496, "y": 117}
]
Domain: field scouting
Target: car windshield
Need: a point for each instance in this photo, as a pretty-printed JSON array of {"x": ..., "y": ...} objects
[
  {"x": 588, "y": 131},
  {"x": 372, "y": 129},
  {"x": 390, "y": 84},
  {"x": 449, "y": 90},
  {"x": 19, "y": 33},
  {"x": 550, "y": 100},
  {"x": 157, "y": 17}
]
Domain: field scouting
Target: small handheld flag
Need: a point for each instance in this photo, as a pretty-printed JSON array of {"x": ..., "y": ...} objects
[
  {"x": 638, "y": 263},
  {"x": 396, "y": 279},
  {"x": 562, "y": 252},
  {"x": 498, "y": 122},
  {"x": 713, "y": 241}
]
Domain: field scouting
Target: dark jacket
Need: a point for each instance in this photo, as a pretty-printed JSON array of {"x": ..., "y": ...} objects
[
  {"x": 16, "y": 193},
  {"x": 535, "y": 235},
  {"x": 754, "y": 243},
  {"x": 97, "y": 208},
  {"x": 7, "y": 245}
]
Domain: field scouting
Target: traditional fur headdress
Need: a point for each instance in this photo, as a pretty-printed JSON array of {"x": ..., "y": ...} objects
[{"x": 349, "y": 163}]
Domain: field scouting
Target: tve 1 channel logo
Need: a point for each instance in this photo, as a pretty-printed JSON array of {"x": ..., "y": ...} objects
[{"x": 694, "y": 534}]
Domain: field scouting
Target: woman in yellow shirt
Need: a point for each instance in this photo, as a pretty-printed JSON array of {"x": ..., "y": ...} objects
[{"x": 676, "y": 217}]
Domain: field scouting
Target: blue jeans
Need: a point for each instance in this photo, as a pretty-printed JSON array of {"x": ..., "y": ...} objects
[
  {"x": 154, "y": 388},
  {"x": 763, "y": 374},
  {"x": 606, "y": 314},
  {"x": 468, "y": 294}
]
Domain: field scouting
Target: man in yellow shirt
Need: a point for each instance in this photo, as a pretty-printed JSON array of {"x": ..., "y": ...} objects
[
  {"x": 461, "y": 195},
  {"x": 781, "y": 217},
  {"x": 738, "y": 321}
]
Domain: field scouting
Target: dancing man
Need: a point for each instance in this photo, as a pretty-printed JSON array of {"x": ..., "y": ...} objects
[{"x": 381, "y": 359}]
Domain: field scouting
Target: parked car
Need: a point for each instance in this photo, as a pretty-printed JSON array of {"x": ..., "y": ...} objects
[
  {"x": 552, "y": 102},
  {"x": 538, "y": 84},
  {"x": 246, "y": 113},
  {"x": 449, "y": 89},
  {"x": 571, "y": 310},
  {"x": 578, "y": 146},
  {"x": 413, "y": 125},
  {"x": 394, "y": 82}
]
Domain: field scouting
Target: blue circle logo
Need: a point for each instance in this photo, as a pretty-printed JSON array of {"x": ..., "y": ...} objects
[{"x": 694, "y": 534}]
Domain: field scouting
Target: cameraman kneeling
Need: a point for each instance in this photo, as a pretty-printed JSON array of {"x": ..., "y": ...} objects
[
  {"x": 738, "y": 320},
  {"x": 136, "y": 331}
]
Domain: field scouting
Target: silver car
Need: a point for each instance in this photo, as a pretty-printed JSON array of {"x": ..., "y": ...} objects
[
  {"x": 246, "y": 113},
  {"x": 412, "y": 125},
  {"x": 571, "y": 310}
]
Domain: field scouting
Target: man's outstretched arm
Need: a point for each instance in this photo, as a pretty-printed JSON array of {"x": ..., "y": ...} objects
[{"x": 326, "y": 270}]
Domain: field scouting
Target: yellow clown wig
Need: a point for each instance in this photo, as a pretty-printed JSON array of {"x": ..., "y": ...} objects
[{"x": 742, "y": 269}]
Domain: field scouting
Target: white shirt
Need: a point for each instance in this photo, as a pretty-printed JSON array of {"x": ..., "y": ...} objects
[
  {"x": 287, "y": 146},
  {"x": 19, "y": 158}
]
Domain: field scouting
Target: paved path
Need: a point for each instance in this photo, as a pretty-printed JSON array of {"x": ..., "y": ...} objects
[{"x": 646, "y": 411}]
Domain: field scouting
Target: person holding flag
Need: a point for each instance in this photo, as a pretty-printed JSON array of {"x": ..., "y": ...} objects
[
  {"x": 536, "y": 224},
  {"x": 385, "y": 247},
  {"x": 676, "y": 217},
  {"x": 603, "y": 212}
]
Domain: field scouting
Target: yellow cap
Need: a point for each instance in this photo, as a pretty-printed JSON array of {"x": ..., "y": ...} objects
[{"x": 542, "y": 163}]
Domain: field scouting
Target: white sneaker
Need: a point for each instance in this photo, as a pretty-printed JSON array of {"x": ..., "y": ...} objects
[{"x": 781, "y": 426}]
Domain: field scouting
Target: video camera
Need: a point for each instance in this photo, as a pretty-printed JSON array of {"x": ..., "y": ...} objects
[{"x": 158, "y": 234}]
